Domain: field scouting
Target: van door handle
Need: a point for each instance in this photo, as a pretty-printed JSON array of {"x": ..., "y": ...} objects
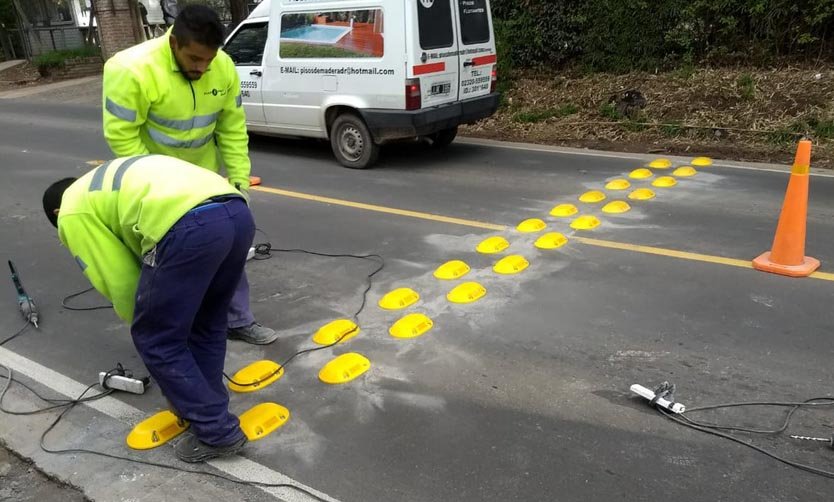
[
  {"x": 257, "y": 73},
  {"x": 468, "y": 63}
]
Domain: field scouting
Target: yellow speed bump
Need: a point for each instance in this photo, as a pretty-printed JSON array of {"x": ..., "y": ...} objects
[
  {"x": 564, "y": 210},
  {"x": 467, "y": 292},
  {"x": 411, "y": 326},
  {"x": 493, "y": 245},
  {"x": 256, "y": 376},
  {"x": 619, "y": 184},
  {"x": 592, "y": 197},
  {"x": 155, "y": 431},
  {"x": 552, "y": 240},
  {"x": 532, "y": 225},
  {"x": 616, "y": 207},
  {"x": 512, "y": 264},
  {"x": 450, "y": 270},
  {"x": 260, "y": 420},
  {"x": 685, "y": 172},
  {"x": 344, "y": 368},
  {"x": 702, "y": 161},
  {"x": 586, "y": 222},
  {"x": 641, "y": 194},
  {"x": 399, "y": 299},
  {"x": 660, "y": 164},
  {"x": 665, "y": 182},
  {"x": 640, "y": 174},
  {"x": 340, "y": 330}
]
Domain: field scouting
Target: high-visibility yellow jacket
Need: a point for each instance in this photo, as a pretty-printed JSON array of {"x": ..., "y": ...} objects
[
  {"x": 150, "y": 107},
  {"x": 115, "y": 214}
]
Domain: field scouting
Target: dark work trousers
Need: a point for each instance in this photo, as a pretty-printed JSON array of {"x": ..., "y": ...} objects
[{"x": 179, "y": 326}]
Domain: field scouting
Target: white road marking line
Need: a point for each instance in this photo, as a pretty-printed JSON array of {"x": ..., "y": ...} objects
[{"x": 237, "y": 467}]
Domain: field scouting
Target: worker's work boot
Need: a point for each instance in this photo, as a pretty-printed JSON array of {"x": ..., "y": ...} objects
[
  {"x": 192, "y": 450},
  {"x": 254, "y": 333}
]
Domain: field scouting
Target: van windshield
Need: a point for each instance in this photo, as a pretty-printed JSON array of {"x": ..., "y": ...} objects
[
  {"x": 474, "y": 22},
  {"x": 435, "y": 24}
]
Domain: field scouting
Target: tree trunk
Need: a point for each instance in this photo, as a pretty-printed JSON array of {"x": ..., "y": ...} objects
[{"x": 239, "y": 11}]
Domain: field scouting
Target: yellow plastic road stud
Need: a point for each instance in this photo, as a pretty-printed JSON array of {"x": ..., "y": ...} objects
[
  {"x": 94, "y": 163},
  {"x": 256, "y": 376},
  {"x": 532, "y": 225},
  {"x": 702, "y": 161},
  {"x": 467, "y": 292},
  {"x": 685, "y": 172},
  {"x": 564, "y": 210},
  {"x": 660, "y": 164},
  {"x": 618, "y": 184},
  {"x": 512, "y": 264},
  {"x": 155, "y": 431},
  {"x": 260, "y": 420},
  {"x": 340, "y": 330},
  {"x": 616, "y": 207},
  {"x": 344, "y": 368},
  {"x": 493, "y": 245},
  {"x": 552, "y": 240},
  {"x": 665, "y": 182},
  {"x": 640, "y": 174},
  {"x": 411, "y": 326},
  {"x": 399, "y": 299},
  {"x": 454, "y": 269},
  {"x": 592, "y": 197},
  {"x": 587, "y": 222},
  {"x": 641, "y": 194}
]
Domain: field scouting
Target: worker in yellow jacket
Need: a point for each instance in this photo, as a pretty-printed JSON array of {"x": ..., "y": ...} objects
[
  {"x": 179, "y": 95},
  {"x": 166, "y": 242}
]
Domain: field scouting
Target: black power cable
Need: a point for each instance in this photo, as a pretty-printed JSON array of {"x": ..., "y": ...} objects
[
  {"x": 70, "y": 404},
  {"x": 717, "y": 429},
  {"x": 264, "y": 252}
]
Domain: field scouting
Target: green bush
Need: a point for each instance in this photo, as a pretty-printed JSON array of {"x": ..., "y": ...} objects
[
  {"x": 57, "y": 59},
  {"x": 612, "y": 35}
]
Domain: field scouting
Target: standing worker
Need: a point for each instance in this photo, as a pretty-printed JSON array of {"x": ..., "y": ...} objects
[
  {"x": 169, "y": 11},
  {"x": 179, "y": 95},
  {"x": 165, "y": 241}
]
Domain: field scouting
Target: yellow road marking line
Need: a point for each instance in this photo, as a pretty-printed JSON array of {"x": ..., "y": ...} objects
[
  {"x": 381, "y": 209},
  {"x": 637, "y": 248}
]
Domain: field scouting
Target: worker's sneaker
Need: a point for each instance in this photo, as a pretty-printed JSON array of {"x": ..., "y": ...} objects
[
  {"x": 254, "y": 333},
  {"x": 192, "y": 450}
]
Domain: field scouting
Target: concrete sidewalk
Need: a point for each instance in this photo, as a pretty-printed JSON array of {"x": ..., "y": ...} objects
[
  {"x": 85, "y": 90},
  {"x": 5, "y": 65}
]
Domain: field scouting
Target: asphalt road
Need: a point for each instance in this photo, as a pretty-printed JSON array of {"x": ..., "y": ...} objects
[{"x": 522, "y": 395}]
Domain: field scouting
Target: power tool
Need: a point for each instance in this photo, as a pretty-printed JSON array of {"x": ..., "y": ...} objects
[{"x": 24, "y": 301}]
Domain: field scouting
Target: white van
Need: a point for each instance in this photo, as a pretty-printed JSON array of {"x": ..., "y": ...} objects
[{"x": 365, "y": 72}]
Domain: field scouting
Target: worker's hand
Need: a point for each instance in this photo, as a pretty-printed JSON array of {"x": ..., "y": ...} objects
[{"x": 243, "y": 191}]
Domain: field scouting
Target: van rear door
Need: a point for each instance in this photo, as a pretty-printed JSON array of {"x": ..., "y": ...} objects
[
  {"x": 477, "y": 47},
  {"x": 433, "y": 51}
]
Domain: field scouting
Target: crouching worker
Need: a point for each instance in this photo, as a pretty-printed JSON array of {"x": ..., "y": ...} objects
[{"x": 166, "y": 242}]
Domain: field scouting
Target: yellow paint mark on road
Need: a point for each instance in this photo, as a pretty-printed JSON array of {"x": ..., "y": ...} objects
[{"x": 380, "y": 209}]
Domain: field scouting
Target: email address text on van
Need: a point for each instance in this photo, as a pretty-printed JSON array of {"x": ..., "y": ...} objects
[{"x": 331, "y": 70}]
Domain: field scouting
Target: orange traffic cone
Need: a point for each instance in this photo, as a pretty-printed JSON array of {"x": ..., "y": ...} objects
[{"x": 787, "y": 257}]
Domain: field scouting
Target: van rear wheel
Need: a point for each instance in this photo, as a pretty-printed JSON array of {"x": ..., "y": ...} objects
[
  {"x": 352, "y": 142},
  {"x": 444, "y": 138}
]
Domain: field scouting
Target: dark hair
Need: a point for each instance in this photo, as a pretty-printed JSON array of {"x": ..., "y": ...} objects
[
  {"x": 198, "y": 23},
  {"x": 52, "y": 198}
]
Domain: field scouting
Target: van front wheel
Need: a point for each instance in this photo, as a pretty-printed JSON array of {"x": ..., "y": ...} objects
[
  {"x": 444, "y": 138},
  {"x": 352, "y": 143}
]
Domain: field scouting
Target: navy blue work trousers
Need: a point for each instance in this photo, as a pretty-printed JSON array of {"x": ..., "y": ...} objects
[{"x": 180, "y": 321}]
